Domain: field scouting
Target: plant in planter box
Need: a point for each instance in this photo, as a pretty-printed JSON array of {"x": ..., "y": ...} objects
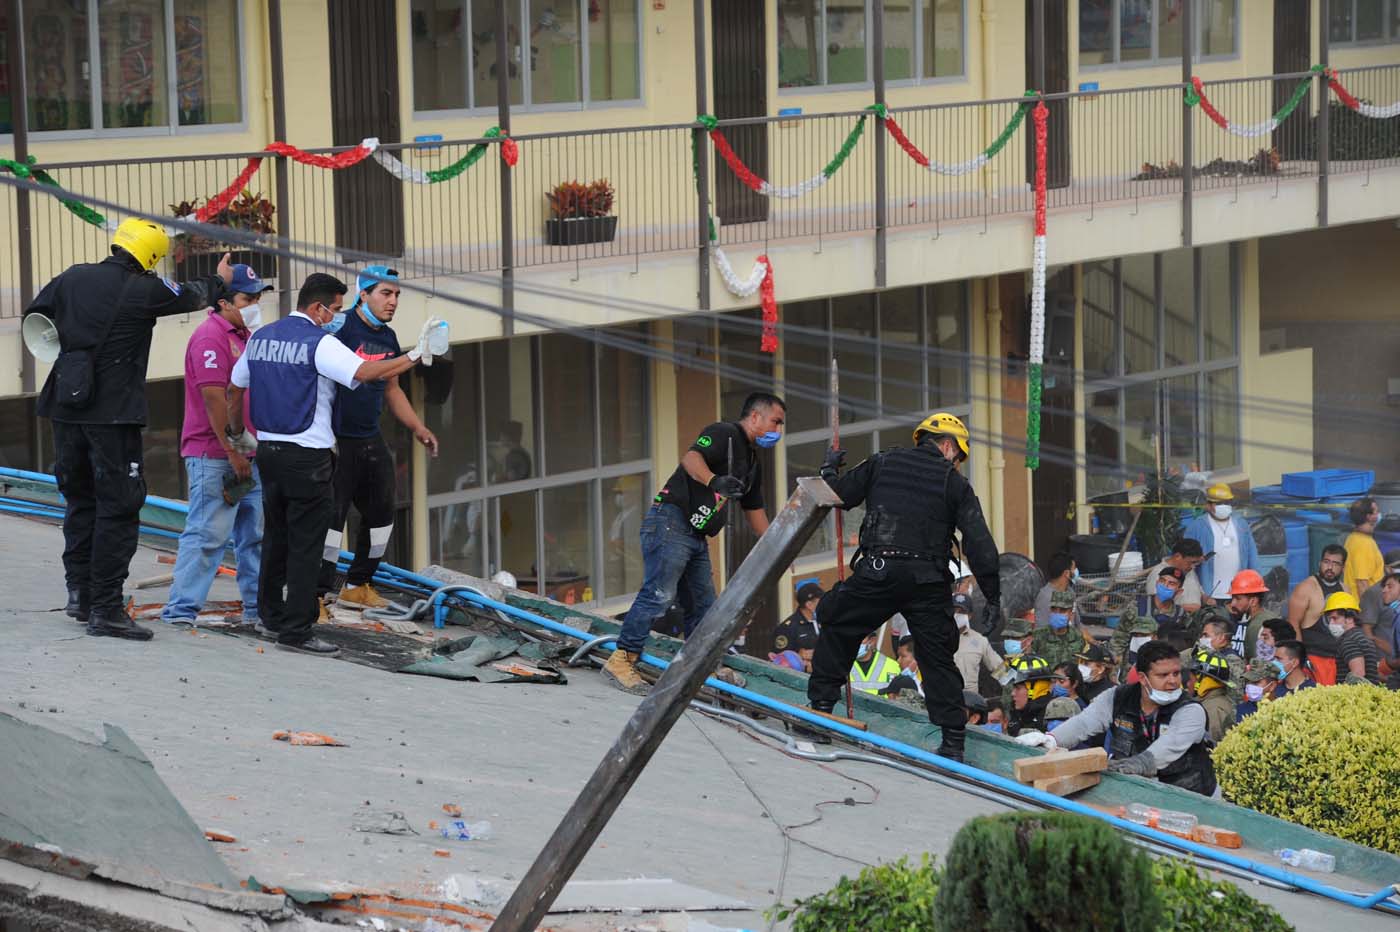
[
  {"x": 196, "y": 255},
  {"x": 581, "y": 213}
]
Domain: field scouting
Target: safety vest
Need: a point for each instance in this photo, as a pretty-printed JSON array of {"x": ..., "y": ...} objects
[
  {"x": 882, "y": 670},
  {"x": 282, "y": 375}
]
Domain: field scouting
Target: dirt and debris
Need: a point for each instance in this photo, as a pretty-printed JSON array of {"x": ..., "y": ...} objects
[{"x": 1264, "y": 162}]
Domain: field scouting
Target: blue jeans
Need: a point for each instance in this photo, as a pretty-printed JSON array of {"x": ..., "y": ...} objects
[
  {"x": 207, "y": 530},
  {"x": 676, "y": 567}
]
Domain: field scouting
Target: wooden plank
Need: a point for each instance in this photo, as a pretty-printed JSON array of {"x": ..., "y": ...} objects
[
  {"x": 1068, "y": 785},
  {"x": 849, "y": 722},
  {"x": 1044, "y": 767}
]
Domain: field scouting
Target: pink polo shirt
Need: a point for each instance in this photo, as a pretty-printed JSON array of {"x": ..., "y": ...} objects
[{"x": 214, "y": 347}]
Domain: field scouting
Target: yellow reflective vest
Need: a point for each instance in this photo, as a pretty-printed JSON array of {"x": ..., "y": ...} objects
[{"x": 882, "y": 670}]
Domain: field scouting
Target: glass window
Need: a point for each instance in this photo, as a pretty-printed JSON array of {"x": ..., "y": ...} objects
[
  {"x": 845, "y": 41},
  {"x": 1222, "y": 419},
  {"x": 1135, "y": 30},
  {"x": 1217, "y": 27},
  {"x": 824, "y": 41},
  {"x": 1100, "y": 320},
  {"x": 614, "y": 50},
  {"x": 799, "y": 37},
  {"x": 510, "y": 419},
  {"x": 162, "y": 463},
  {"x": 625, "y": 501},
  {"x": 485, "y": 67},
  {"x": 1217, "y": 295},
  {"x": 566, "y": 367},
  {"x": 902, "y": 352},
  {"x": 1095, "y": 32},
  {"x": 1370, "y": 19},
  {"x": 440, "y": 61},
  {"x": 515, "y": 551},
  {"x": 568, "y": 543},
  {"x": 805, "y": 459},
  {"x": 947, "y": 364},
  {"x": 457, "y": 424},
  {"x": 1140, "y": 426},
  {"x": 1101, "y": 434},
  {"x": 900, "y": 36},
  {"x": 58, "y": 65},
  {"x": 556, "y": 57},
  {"x": 1148, "y": 30},
  {"x": 131, "y": 48},
  {"x": 942, "y": 38},
  {"x": 1169, "y": 34},
  {"x": 1179, "y": 329},
  {"x": 1139, "y": 314},
  {"x": 622, "y": 392},
  {"x": 1181, "y": 403},
  {"x": 208, "y": 82},
  {"x": 853, "y": 340},
  {"x": 806, "y": 365},
  {"x": 743, "y": 369},
  {"x": 457, "y": 537}
]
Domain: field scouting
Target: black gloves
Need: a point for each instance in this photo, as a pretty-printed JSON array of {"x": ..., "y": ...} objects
[
  {"x": 991, "y": 618},
  {"x": 728, "y": 486},
  {"x": 831, "y": 466}
]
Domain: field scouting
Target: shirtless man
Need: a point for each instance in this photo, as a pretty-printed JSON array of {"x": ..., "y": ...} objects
[{"x": 1305, "y": 612}]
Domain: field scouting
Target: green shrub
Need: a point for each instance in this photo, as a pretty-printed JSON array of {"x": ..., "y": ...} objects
[
  {"x": 1193, "y": 903},
  {"x": 894, "y": 897},
  {"x": 1324, "y": 758},
  {"x": 1032, "y": 871}
]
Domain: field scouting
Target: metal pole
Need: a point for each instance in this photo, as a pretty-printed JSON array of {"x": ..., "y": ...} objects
[
  {"x": 1323, "y": 125},
  {"x": 702, "y": 159},
  {"x": 279, "y": 130},
  {"x": 878, "y": 38},
  {"x": 507, "y": 204},
  {"x": 1188, "y": 29},
  {"x": 624, "y": 761},
  {"x": 24, "y": 225},
  {"x": 1038, "y": 45}
]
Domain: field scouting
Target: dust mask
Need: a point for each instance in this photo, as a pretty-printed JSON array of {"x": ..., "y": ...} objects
[
  {"x": 252, "y": 316},
  {"x": 1162, "y": 697},
  {"x": 1223, "y": 512}
]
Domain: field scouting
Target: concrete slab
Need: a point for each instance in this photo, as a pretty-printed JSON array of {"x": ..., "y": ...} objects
[{"x": 717, "y": 809}]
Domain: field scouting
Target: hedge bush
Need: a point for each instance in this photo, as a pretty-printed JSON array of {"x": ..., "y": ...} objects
[
  {"x": 1326, "y": 758},
  {"x": 1052, "y": 871},
  {"x": 1191, "y": 901}
]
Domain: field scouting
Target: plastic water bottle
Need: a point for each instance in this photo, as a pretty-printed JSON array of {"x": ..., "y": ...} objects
[
  {"x": 459, "y": 830},
  {"x": 1178, "y": 823},
  {"x": 439, "y": 339},
  {"x": 1308, "y": 859},
  {"x": 1142, "y": 815}
]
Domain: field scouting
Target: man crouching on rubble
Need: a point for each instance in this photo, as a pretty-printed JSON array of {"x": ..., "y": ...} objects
[{"x": 1154, "y": 728}]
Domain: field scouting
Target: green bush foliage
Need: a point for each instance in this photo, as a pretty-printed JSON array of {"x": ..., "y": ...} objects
[
  {"x": 894, "y": 897},
  {"x": 1193, "y": 903},
  {"x": 1325, "y": 758},
  {"x": 1051, "y": 871}
]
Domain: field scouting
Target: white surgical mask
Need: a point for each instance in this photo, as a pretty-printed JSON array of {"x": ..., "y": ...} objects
[
  {"x": 1223, "y": 512},
  {"x": 1164, "y": 698},
  {"x": 1253, "y": 692},
  {"x": 1336, "y": 629},
  {"x": 1135, "y": 644},
  {"x": 962, "y": 620},
  {"x": 1086, "y": 672},
  {"x": 252, "y": 316},
  {"x": 1203, "y": 643}
]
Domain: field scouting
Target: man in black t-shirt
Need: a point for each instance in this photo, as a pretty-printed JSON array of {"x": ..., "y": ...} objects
[
  {"x": 800, "y": 626},
  {"x": 720, "y": 465}
]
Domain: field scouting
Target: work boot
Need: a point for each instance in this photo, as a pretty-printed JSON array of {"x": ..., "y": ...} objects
[
  {"x": 953, "y": 741},
  {"x": 323, "y": 612},
  {"x": 801, "y": 732},
  {"x": 109, "y": 623},
  {"x": 313, "y": 646},
  {"x": 77, "y": 607},
  {"x": 621, "y": 670},
  {"x": 360, "y": 598}
]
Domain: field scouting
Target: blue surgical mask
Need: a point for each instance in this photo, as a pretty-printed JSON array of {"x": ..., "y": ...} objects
[
  {"x": 1264, "y": 651},
  {"x": 1075, "y": 574},
  {"x": 863, "y": 652},
  {"x": 335, "y": 323},
  {"x": 367, "y": 315},
  {"x": 769, "y": 439},
  {"x": 1165, "y": 593},
  {"x": 993, "y": 726},
  {"x": 1010, "y": 647},
  {"x": 1059, "y": 691},
  {"x": 1393, "y": 606},
  {"x": 1059, "y": 621}
]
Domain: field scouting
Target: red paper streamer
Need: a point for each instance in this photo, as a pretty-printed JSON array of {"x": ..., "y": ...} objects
[
  {"x": 1346, "y": 96},
  {"x": 1210, "y": 110},
  {"x": 219, "y": 201},
  {"x": 904, "y": 143},
  {"x": 1041, "y": 116},
  {"x": 510, "y": 152},
  {"x": 768, "y": 343},
  {"x": 334, "y": 162},
  {"x": 736, "y": 164}
]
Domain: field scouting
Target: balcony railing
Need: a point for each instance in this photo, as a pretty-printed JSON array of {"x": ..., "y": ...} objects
[{"x": 1105, "y": 148}]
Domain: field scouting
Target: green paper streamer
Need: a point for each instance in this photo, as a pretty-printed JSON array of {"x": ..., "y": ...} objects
[
  {"x": 847, "y": 147},
  {"x": 1033, "y": 418},
  {"x": 473, "y": 156},
  {"x": 1011, "y": 126},
  {"x": 77, "y": 208}
]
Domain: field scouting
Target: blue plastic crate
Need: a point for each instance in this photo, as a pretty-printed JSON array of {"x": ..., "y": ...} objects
[{"x": 1320, "y": 483}]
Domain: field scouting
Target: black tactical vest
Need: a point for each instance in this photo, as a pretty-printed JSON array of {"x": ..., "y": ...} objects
[
  {"x": 1128, "y": 737},
  {"x": 907, "y": 507}
]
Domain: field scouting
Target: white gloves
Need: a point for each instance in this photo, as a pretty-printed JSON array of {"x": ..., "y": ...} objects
[
  {"x": 245, "y": 443},
  {"x": 1033, "y": 739},
  {"x": 433, "y": 340}
]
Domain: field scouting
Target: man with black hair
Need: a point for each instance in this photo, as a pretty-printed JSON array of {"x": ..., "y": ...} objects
[
  {"x": 1186, "y": 556},
  {"x": 722, "y": 464},
  {"x": 1154, "y": 728},
  {"x": 801, "y": 625},
  {"x": 1060, "y": 574},
  {"x": 1365, "y": 566},
  {"x": 290, "y": 371},
  {"x": 1305, "y": 612},
  {"x": 95, "y": 396}
]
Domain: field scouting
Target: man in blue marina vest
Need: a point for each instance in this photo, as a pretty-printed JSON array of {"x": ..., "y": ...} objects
[{"x": 290, "y": 370}]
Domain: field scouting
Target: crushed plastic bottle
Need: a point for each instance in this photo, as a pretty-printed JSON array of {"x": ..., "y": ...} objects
[
  {"x": 1142, "y": 815},
  {"x": 1307, "y": 859},
  {"x": 1177, "y": 823},
  {"x": 460, "y": 830}
]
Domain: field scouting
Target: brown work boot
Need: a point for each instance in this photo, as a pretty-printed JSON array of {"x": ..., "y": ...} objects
[
  {"x": 323, "y": 612},
  {"x": 360, "y": 598},
  {"x": 621, "y": 671}
]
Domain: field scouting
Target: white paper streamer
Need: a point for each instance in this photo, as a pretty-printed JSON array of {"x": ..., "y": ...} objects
[
  {"x": 399, "y": 170},
  {"x": 1379, "y": 113},
  {"x": 1037, "y": 348},
  {"x": 740, "y": 288},
  {"x": 1254, "y": 130},
  {"x": 959, "y": 168},
  {"x": 793, "y": 190}
]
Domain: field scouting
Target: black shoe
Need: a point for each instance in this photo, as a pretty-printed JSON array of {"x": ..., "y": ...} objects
[
  {"x": 953, "y": 742},
  {"x": 77, "y": 606},
  {"x": 117, "y": 624},
  {"x": 314, "y": 646},
  {"x": 801, "y": 732}
]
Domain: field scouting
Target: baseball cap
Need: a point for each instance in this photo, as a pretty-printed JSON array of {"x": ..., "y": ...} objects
[
  {"x": 1094, "y": 653},
  {"x": 1062, "y": 598},
  {"x": 1173, "y": 572},
  {"x": 974, "y": 702},
  {"x": 961, "y": 601},
  {"x": 809, "y": 590},
  {"x": 371, "y": 276},
  {"x": 245, "y": 280}
]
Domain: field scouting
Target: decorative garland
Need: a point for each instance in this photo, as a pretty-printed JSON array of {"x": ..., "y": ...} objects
[
  {"x": 767, "y": 189},
  {"x": 1388, "y": 112},
  {"x": 510, "y": 154},
  {"x": 969, "y": 165},
  {"x": 1040, "y": 117},
  {"x": 1197, "y": 95}
]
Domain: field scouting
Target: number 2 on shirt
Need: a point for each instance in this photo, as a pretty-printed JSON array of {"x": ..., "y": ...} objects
[{"x": 211, "y": 359}]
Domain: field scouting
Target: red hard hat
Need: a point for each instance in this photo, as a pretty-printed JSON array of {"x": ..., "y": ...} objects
[{"x": 1248, "y": 582}]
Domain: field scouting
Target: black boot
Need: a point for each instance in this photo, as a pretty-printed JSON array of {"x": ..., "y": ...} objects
[
  {"x": 77, "y": 606},
  {"x": 953, "y": 740},
  {"x": 109, "y": 623},
  {"x": 802, "y": 732}
]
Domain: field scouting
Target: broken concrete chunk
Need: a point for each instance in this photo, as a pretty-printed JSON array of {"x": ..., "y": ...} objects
[{"x": 382, "y": 822}]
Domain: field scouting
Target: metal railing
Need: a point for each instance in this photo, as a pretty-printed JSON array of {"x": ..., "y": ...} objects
[{"x": 1105, "y": 147}]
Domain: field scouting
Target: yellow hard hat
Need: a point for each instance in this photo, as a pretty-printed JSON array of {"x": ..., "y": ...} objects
[
  {"x": 1220, "y": 492},
  {"x": 944, "y": 423},
  {"x": 1341, "y": 601},
  {"x": 144, "y": 240}
]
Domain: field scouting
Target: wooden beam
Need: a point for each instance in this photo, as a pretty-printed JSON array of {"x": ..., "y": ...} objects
[
  {"x": 1067, "y": 785},
  {"x": 1029, "y": 769}
]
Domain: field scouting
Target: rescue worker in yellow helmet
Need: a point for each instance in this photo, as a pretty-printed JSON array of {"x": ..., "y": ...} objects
[
  {"x": 95, "y": 395},
  {"x": 1213, "y": 685},
  {"x": 1030, "y": 695},
  {"x": 914, "y": 501}
]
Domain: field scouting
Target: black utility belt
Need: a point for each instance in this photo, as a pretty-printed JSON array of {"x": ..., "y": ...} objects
[{"x": 890, "y": 553}]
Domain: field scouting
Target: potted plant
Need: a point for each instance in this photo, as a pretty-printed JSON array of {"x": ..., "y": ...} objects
[
  {"x": 196, "y": 255},
  {"x": 581, "y": 213}
]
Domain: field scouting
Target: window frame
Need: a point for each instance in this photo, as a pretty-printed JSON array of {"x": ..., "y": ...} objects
[
  {"x": 488, "y": 494},
  {"x": 1390, "y": 19},
  {"x": 474, "y": 108},
  {"x": 918, "y": 63},
  {"x": 173, "y": 126},
  {"x": 1156, "y": 60},
  {"x": 1119, "y": 383}
]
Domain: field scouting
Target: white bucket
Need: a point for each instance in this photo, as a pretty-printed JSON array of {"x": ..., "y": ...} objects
[{"x": 1128, "y": 567}]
